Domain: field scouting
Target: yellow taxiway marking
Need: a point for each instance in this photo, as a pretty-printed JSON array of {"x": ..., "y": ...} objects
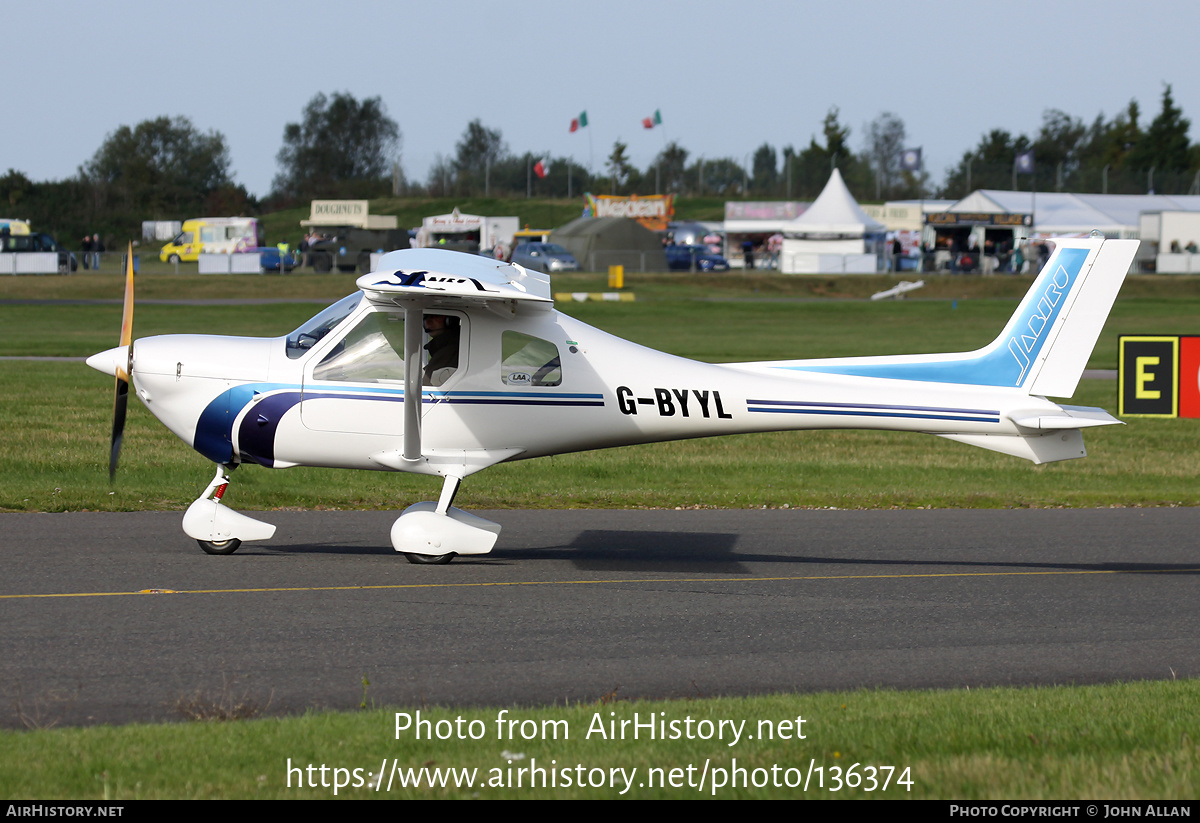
[{"x": 598, "y": 582}]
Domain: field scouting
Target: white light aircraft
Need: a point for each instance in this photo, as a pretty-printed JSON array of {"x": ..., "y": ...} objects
[{"x": 445, "y": 363}]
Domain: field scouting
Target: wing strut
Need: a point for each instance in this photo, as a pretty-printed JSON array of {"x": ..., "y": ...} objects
[{"x": 414, "y": 328}]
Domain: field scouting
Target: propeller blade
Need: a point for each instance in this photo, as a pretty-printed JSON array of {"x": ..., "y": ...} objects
[
  {"x": 121, "y": 398},
  {"x": 120, "y": 401}
]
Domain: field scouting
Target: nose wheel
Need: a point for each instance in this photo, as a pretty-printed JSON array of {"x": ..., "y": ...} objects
[
  {"x": 217, "y": 528},
  {"x": 427, "y": 559},
  {"x": 220, "y": 546}
]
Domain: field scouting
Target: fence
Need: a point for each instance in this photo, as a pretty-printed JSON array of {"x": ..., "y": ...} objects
[
  {"x": 37, "y": 262},
  {"x": 245, "y": 263},
  {"x": 808, "y": 263},
  {"x": 78, "y": 262},
  {"x": 1177, "y": 263}
]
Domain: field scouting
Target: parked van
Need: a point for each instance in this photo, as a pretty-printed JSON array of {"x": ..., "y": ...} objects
[{"x": 212, "y": 235}]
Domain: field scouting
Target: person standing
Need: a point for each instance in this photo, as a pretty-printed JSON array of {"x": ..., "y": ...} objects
[
  {"x": 97, "y": 248},
  {"x": 1043, "y": 253},
  {"x": 86, "y": 248}
]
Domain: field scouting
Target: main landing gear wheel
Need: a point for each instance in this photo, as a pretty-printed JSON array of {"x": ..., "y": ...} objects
[
  {"x": 426, "y": 530},
  {"x": 220, "y": 546},
  {"x": 427, "y": 559}
]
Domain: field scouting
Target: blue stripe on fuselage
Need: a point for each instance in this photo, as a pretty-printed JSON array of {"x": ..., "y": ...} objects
[{"x": 256, "y": 437}]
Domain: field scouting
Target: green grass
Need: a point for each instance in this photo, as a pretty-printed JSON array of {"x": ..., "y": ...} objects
[
  {"x": 704, "y": 319},
  {"x": 1124, "y": 741},
  {"x": 62, "y": 411},
  {"x": 64, "y": 420}
]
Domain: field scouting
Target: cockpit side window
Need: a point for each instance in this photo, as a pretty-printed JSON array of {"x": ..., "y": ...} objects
[
  {"x": 371, "y": 352},
  {"x": 307, "y": 336},
  {"x": 443, "y": 333},
  {"x": 529, "y": 361}
]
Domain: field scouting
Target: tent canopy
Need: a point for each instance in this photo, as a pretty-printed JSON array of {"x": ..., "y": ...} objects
[
  {"x": 602, "y": 241},
  {"x": 1067, "y": 213},
  {"x": 835, "y": 213}
]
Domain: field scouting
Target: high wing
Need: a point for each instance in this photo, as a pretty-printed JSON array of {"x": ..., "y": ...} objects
[{"x": 437, "y": 278}]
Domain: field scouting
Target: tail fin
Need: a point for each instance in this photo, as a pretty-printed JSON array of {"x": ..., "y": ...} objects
[
  {"x": 1046, "y": 343},
  {"x": 1056, "y": 340}
]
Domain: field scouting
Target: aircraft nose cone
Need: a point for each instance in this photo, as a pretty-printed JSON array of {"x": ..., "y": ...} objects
[{"x": 109, "y": 361}]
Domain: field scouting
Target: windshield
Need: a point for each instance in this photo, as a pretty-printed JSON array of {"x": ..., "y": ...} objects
[{"x": 305, "y": 337}]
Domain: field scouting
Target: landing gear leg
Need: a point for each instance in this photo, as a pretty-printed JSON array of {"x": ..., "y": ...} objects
[
  {"x": 433, "y": 533},
  {"x": 218, "y": 529}
]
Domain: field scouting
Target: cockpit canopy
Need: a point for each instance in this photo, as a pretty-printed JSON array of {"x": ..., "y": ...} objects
[{"x": 307, "y": 336}]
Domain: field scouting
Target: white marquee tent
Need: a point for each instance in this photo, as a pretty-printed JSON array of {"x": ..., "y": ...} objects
[{"x": 833, "y": 235}]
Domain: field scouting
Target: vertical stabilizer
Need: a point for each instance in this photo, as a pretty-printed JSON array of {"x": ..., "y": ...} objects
[{"x": 1057, "y": 370}]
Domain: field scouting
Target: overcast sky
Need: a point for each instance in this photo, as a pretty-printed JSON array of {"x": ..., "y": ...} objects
[{"x": 726, "y": 76}]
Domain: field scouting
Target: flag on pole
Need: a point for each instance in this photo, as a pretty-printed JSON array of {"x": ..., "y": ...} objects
[
  {"x": 910, "y": 159},
  {"x": 1024, "y": 162},
  {"x": 579, "y": 122},
  {"x": 542, "y": 167},
  {"x": 651, "y": 122}
]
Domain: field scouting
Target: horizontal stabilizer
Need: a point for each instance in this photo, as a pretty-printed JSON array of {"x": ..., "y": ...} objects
[{"x": 1070, "y": 417}]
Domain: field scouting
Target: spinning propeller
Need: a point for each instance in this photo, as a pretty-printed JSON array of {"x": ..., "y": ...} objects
[{"x": 124, "y": 374}]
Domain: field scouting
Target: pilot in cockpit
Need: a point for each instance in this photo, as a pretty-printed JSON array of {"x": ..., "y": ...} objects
[{"x": 442, "y": 348}]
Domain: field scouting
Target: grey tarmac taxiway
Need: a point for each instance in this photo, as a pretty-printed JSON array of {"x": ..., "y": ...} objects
[{"x": 111, "y": 618}]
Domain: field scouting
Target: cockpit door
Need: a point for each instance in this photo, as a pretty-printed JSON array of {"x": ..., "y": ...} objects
[{"x": 356, "y": 383}]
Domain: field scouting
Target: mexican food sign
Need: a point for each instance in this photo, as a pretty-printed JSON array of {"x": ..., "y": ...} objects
[{"x": 652, "y": 211}]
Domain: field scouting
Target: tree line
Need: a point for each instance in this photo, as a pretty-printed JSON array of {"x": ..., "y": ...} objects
[
  {"x": 1115, "y": 156},
  {"x": 342, "y": 147}
]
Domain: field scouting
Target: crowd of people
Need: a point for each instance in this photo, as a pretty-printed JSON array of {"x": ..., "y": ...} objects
[{"x": 1005, "y": 257}]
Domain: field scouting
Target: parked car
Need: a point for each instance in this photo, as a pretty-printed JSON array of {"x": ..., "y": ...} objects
[
  {"x": 544, "y": 257},
  {"x": 268, "y": 258},
  {"x": 697, "y": 258},
  {"x": 39, "y": 241}
]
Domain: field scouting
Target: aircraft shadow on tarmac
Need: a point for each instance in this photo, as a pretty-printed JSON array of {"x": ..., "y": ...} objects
[
  {"x": 703, "y": 552},
  {"x": 593, "y": 550},
  {"x": 349, "y": 549},
  {"x": 677, "y": 552},
  {"x": 712, "y": 553}
]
